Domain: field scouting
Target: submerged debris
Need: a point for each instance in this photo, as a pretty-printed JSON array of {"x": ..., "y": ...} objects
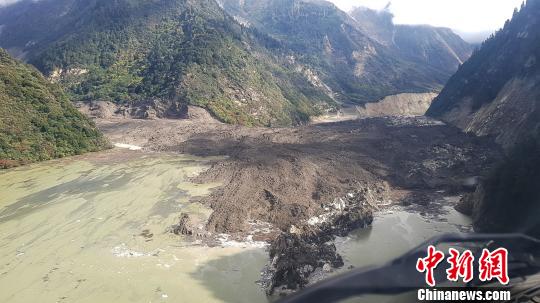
[
  {"x": 189, "y": 226},
  {"x": 296, "y": 256},
  {"x": 301, "y": 252},
  {"x": 184, "y": 226}
]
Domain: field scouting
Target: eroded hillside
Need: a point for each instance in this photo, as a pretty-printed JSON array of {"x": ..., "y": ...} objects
[{"x": 497, "y": 91}]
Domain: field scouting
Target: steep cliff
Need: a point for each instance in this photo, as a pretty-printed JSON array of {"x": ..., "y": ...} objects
[
  {"x": 508, "y": 200},
  {"x": 497, "y": 91}
]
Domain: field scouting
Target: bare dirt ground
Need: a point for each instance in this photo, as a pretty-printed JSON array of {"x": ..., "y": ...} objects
[{"x": 284, "y": 176}]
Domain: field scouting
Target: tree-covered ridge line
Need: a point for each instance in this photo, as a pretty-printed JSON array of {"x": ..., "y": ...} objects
[
  {"x": 37, "y": 121},
  {"x": 190, "y": 52}
]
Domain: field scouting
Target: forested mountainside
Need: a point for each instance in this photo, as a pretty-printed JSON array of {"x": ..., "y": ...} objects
[
  {"x": 176, "y": 51},
  {"x": 37, "y": 120},
  {"x": 279, "y": 63},
  {"x": 424, "y": 45},
  {"x": 349, "y": 54},
  {"x": 497, "y": 91}
]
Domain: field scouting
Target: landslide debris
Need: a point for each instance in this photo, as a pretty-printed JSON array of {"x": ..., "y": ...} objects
[{"x": 297, "y": 188}]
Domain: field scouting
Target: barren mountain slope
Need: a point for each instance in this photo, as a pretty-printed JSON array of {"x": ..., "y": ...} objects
[{"x": 497, "y": 91}]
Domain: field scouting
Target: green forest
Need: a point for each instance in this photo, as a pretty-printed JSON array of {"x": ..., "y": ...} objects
[
  {"x": 189, "y": 52},
  {"x": 37, "y": 121}
]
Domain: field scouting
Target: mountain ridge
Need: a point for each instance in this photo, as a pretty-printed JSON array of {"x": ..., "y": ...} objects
[
  {"x": 292, "y": 60},
  {"x": 438, "y": 47},
  {"x": 497, "y": 91},
  {"x": 133, "y": 50},
  {"x": 330, "y": 41},
  {"x": 346, "y": 52}
]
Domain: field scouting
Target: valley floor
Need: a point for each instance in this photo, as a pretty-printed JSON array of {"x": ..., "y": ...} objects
[
  {"x": 118, "y": 211},
  {"x": 283, "y": 176}
]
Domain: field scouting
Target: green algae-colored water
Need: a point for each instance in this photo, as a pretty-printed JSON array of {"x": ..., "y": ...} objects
[
  {"x": 94, "y": 229},
  {"x": 78, "y": 230}
]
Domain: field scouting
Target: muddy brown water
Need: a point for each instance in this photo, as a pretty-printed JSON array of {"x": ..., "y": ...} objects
[{"x": 90, "y": 230}]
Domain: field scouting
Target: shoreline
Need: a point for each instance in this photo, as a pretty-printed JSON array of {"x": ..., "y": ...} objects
[
  {"x": 316, "y": 231},
  {"x": 289, "y": 178}
]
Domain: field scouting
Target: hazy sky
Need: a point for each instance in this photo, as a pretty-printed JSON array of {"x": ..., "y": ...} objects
[
  {"x": 4, "y": 2},
  {"x": 462, "y": 15}
]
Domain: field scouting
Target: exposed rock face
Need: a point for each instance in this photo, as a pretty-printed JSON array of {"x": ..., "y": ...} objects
[
  {"x": 497, "y": 91},
  {"x": 512, "y": 113},
  {"x": 407, "y": 104}
]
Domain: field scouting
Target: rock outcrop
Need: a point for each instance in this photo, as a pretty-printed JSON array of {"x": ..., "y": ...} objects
[
  {"x": 190, "y": 226},
  {"x": 295, "y": 256}
]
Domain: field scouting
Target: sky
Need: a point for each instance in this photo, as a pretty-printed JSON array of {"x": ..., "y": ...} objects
[
  {"x": 4, "y": 2},
  {"x": 462, "y": 15}
]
